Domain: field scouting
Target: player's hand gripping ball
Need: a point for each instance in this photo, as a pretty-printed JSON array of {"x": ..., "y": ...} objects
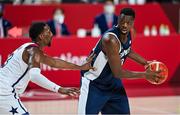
[{"x": 156, "y": 66}]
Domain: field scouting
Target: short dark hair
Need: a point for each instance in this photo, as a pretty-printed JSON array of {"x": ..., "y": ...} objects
[
  {"x": 54, "y": 11},
  {"x": 128, "y": 11},
  {"x": 36, "y": 28}
]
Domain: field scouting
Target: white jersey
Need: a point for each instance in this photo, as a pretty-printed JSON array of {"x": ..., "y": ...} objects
[{"x": 14, "y": 76}]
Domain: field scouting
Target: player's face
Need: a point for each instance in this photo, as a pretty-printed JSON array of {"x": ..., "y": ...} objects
[
  {"x": 126, "y": 23},
  {"x": 47, "y": 35}
]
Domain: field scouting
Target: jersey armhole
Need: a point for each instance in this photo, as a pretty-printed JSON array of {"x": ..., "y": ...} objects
[
  {"x": 28, "y": 47},
  {"x": 116, "y": 38},
  {"x": 31, "y": 45}
]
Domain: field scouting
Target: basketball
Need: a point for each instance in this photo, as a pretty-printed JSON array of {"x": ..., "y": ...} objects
[{"x": 156, "y": 66}]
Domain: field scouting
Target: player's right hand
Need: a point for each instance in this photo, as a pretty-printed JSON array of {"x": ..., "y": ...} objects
[
  {"x": 69, "y": 91},
  {"x": 153, "y": 76}
]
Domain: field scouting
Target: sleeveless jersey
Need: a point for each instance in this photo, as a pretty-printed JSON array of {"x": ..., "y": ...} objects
[
  {"x": 103, "y": 77},
  {"x": 14, "y": 76}
]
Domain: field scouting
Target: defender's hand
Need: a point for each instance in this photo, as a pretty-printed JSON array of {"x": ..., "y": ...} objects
[
  {"x": 69, "y": 91},
  {"x": 87, "y": 64}
]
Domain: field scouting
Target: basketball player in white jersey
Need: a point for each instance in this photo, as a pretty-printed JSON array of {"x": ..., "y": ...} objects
[{"x": 24, "y": 65}]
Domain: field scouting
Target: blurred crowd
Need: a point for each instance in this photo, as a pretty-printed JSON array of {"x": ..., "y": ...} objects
[
  {"x": 86, "y": 1},
  {"x": 101, "y": 23}
]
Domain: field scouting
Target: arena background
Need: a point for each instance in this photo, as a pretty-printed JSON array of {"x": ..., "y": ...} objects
[{"x": 74, "y": 49}]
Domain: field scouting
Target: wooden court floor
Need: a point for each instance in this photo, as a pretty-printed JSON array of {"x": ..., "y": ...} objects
[{"x": 160, "y": 105}]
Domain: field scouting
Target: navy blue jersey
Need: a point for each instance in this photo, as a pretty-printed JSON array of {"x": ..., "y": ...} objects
[{"x": 103, "y": 77}]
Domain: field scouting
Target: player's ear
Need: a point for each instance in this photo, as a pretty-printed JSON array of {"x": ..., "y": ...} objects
[{"x": 41, "y": 36}]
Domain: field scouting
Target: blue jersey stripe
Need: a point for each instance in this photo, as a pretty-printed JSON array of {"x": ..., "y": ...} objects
[
  {"x": 19, "y": 79},
  {"x": 21, "y": 106}
]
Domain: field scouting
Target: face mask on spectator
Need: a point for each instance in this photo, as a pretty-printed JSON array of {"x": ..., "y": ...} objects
[
  {"x": 59, "y": 18},
  {"x": 109, "y": 9}
]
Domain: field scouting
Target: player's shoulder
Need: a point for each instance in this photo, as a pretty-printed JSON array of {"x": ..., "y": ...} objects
[
  {"x": 109, "y": 38},
  {"x": 114, "y": 30},
  {"x": 111, "y": 33},
  {"x": 32, "y": 47}
]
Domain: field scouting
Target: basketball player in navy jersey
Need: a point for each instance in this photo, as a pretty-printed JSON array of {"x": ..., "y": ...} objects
[
  {"x": 102, "y": 90},
  {"x": 24, "y": 65}
]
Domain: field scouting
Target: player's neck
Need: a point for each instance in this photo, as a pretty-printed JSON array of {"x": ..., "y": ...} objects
[
  {"x": 40, "y": 45},
  {"x": 123, "y": 38}
]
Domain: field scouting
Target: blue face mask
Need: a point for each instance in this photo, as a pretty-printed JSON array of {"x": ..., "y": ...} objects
[
  {"x": 109, "y": 9},
  {"x": 59, "y": 18}
]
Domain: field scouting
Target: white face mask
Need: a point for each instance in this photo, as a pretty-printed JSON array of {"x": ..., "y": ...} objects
[
  {"x": 59, "y": 18},
  {"x": 109, "y": 9}
]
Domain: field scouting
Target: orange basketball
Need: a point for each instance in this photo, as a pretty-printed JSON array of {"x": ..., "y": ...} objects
[{"x": 156, "y": 66}]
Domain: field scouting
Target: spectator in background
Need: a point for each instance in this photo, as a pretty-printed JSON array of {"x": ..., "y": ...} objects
[
  {"x": 5, "y": 25},
  {"x": 73, "y": 1},
  {"x": 160, "y": 1},
  {"x": 107, "y": 19},
  {"x": 138, "y": 2},
  {"x": 57, "y": 24},
  {"x": 121, "y": 1},
  {"x": 6, "y": 1},
  {"x": 35, "y": 1}
]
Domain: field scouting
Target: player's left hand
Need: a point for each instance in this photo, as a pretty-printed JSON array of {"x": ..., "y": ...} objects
[
  {"x": 87, "y": 64},
  {"x": 69, "y": 91}
]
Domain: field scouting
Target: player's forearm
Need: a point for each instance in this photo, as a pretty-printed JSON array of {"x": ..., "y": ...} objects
[
  {"x": 136, "y": 57},
  {"x": 131, "y": 74},
  {"x": 66, "y": 65},
  {"x": 39, "y": 79}
]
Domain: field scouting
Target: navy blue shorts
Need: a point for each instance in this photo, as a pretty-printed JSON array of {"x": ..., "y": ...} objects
[{"x": 93, "y": 100}]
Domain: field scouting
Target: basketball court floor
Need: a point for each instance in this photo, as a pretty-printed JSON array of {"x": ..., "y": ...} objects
[
  {"x": 164, "y": 105},
  {"x": 43, "y": 102}
]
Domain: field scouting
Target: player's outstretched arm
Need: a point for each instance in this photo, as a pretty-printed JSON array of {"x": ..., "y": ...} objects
[
  {"x": 111, "y": 47},
  {"x": 33, "y": 60},
  {"x": 61, "y": 64},
  {"x": 39, "y": 79},
  {"x": 39, "y": 57}
]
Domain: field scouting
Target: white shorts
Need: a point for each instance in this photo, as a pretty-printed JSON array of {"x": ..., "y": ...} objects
[{"x": 11, "y": 105}]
